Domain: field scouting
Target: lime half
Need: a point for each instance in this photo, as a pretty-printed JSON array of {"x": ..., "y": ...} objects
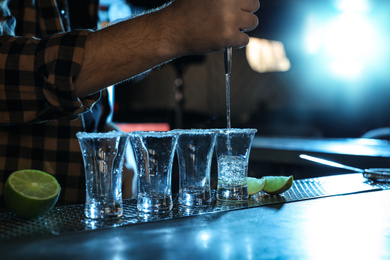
[
  {"x": 31, "y": 193},
  {"x": 277, "y": 184},
  {"x": 255, "y": 185}
]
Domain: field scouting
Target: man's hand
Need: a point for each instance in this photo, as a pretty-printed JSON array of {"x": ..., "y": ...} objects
[{"x": 204, "y": 26}]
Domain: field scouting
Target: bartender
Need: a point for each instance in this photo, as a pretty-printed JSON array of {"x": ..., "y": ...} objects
[{"x": 54, "y": 80}]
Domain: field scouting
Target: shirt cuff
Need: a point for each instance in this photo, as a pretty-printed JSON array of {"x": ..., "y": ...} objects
[{"x": 59, "y": 60}]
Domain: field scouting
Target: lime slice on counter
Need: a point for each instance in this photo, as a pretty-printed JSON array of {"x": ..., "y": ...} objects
[
  {"x": 31, "y": 193},
  {"x": 255, "y": 185},
  {"x": 277, "y": 184}
]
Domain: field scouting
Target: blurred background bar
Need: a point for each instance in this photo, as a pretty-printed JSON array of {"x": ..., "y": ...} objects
[{"x": 313, "y": 70}]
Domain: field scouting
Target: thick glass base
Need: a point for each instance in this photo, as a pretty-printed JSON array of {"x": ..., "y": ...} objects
[
  {"x": 239, "y": 192},
  {"x": 150, "y": 204},
  {"x": 99, "y": 211},
  {"x": 193, "y": 198}
]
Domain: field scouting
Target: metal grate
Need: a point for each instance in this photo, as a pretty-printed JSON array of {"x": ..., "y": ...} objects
[{"x": 66, "y": 219}]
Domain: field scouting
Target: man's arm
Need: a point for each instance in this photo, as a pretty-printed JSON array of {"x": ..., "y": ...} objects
[{"x": 185, "y": 27}]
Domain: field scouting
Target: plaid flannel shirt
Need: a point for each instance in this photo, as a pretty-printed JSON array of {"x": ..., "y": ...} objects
[{"x": 40, "y": 112}]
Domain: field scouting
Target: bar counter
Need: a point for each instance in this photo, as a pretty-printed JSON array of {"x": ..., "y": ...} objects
[
  {"x": 280, "y": 155},
  {"x": 335, "y": 217}
]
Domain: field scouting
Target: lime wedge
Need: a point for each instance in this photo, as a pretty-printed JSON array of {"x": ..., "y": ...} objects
[
  {"x": 277, "y": 184},
  {"x": 255, "y": 185},
  {"x": 31, "y": 193}
]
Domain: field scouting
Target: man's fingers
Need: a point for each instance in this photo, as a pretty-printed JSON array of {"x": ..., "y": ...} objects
[
  {"x": 242, "y": 41},
  {"x": 250, "y": 6},
  {"x": 249, "y": 22}
]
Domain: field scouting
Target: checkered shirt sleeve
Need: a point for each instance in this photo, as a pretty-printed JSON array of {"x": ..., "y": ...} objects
[{"x": 40, "y": 112}]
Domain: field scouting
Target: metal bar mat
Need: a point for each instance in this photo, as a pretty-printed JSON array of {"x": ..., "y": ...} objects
[{"x": 66, "y": 219}]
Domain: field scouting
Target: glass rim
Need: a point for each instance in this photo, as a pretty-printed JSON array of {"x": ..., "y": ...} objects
[
  {"x": 153, "y": 133},
  {"x": 195, "y": 131},
  {"x": 216, "y": 129},
  {"x": 109, "y": 134},
  {"x": 238, "y": 130}
]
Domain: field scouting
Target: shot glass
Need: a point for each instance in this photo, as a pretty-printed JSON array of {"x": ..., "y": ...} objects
[
  {"x": 194, "y": 154},
  {"x": 154, "y": 153},
  {"x": 232, "y": 149},
  {"x": 103, "y": 162}
]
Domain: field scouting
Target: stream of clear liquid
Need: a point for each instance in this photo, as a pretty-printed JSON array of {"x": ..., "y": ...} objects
[
  {"x": 228, "y": 119},
  {"x": 228, "y": 68}
]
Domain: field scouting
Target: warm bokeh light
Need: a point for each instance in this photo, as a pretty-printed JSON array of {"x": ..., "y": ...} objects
[
  {"x": 266, "y": 56},
  {"x": 130, "y": 127}
]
